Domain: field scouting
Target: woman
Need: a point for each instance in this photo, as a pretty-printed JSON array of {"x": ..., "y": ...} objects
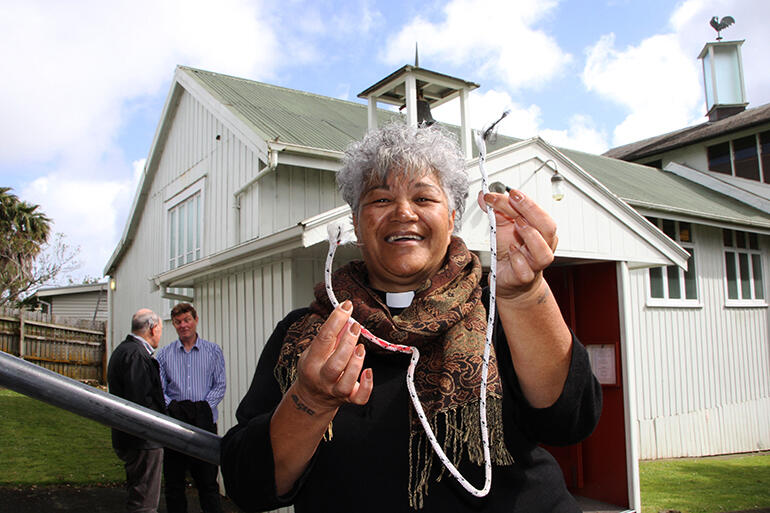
[{"x": 327, "y": 424}]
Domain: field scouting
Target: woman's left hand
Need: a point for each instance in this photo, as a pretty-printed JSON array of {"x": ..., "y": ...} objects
[{"x": 526, "y": 241}]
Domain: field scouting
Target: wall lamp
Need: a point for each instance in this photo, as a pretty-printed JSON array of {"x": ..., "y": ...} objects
[{"x": 557, "y": 182}]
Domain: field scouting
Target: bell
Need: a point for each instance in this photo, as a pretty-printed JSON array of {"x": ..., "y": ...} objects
[{"x": 424, "y": 117}]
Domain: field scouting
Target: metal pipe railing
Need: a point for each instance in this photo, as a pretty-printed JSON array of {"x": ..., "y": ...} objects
[{"x": 113, "y": 411}]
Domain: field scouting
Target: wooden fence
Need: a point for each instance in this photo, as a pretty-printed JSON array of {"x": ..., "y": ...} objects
[{"x": 71, "y": 347}]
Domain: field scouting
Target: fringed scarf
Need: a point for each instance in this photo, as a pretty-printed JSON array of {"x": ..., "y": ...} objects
[{"x": 447, "y": 323}]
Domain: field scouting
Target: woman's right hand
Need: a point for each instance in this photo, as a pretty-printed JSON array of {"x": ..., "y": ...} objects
[{"x": 328, "y": 370}]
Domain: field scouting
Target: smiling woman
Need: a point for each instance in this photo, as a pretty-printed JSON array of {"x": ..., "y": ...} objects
[{"x": 315, "y": 431}]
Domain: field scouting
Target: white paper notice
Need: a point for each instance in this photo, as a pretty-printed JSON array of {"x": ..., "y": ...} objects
[{"x": 602, "y": 357}]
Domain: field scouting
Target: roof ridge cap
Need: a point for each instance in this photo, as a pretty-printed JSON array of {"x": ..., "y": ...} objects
[{"x": 273, "y": 86}]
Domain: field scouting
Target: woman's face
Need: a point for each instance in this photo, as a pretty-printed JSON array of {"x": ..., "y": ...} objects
[{"x": 404, "y": 228}]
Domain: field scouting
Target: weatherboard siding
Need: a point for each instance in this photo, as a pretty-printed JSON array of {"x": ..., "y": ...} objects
[
  {"x": 87, "y": 305},
  {"x": 702, "y": 374},
  {"x": 239, "y": 311},
  {"x": 192, "y": 155}
]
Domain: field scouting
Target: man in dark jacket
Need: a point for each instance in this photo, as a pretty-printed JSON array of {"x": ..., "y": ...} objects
[{"x": 133, "y": 374}]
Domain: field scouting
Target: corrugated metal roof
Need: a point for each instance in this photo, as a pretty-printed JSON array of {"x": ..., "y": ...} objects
[
  {"x": 316, "y": 121},
  {"x": 288, "y": 115},
  {"x": 659, "y": 190}
]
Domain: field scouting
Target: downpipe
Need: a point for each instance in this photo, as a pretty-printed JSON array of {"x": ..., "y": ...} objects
[{"x": 44, "y": 385}]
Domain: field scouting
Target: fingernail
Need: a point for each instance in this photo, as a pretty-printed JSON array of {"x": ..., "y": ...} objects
[
  {"x": 368, "y": 374},
  {"x": 355, "y": 329},
  {"x": 360, "y": 350},
  {"x": 516, "y": 195},
  {"x": 347, "y": 305}
]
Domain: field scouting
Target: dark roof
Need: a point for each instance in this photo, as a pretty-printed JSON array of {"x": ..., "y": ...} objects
[{"x": 691, "y": 135}]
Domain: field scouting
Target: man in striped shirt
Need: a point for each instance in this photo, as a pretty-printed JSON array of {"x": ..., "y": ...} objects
[{"x": 192, "y": 371}]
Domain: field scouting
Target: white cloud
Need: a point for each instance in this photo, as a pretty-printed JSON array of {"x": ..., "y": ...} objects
[
  {"x": 487, "y": 107},
  {"x": 86, "y": 211},
  {"x": 659, "y": 80},
  {"x": 656, "y": 81},
  {"x": 70, "y": 67},
  {"x": 581, "y": 134},
  {"x": 496, "y": 38},
  {"x": 524, "y": 122},
  {"x": 72, "y": 72}
]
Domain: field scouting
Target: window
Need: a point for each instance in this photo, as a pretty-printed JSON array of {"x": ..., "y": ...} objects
[
  {"x": 719, "y": 158},
  {"x": 672, "y": 285},
  {"x": 746, "y": 157},
  {"x": 184, "y": 231},
  {"x": 743, "y": 267}
]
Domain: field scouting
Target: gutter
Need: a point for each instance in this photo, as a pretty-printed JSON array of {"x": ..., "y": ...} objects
[{"x": 711, "y": 220}]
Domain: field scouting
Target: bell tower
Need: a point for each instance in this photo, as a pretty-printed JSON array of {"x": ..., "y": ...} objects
[{"x": 419, "y": 90}]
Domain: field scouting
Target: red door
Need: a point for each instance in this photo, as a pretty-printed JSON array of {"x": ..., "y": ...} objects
[{"x": 588, "y": 297}]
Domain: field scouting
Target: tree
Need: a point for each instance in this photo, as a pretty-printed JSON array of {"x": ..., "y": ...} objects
[{"x": 27, "y": 260}]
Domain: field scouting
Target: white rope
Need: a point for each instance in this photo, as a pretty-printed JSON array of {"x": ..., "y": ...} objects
[{"x": 339, "y": 234}]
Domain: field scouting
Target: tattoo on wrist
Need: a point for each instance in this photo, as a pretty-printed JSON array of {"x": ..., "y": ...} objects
[{"x": 301, "y": 406}]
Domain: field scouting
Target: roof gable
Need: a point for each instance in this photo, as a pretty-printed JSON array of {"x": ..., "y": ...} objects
[{"x": 594, "y": 223}]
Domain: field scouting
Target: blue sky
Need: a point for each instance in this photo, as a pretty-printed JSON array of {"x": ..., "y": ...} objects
[{"x": 85, "y": 81}]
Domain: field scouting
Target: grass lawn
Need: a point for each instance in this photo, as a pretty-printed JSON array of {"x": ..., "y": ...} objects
[
  {"x": 706, "y": 485},
  {"x": 44, "y": 445}
]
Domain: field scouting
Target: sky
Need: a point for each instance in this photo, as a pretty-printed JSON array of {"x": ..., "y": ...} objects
[{"x": 84, "y": 82}]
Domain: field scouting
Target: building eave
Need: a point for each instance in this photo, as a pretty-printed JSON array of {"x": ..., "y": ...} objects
[
  {"x": 72, "y": 289},
  {"x": 306, "y": 233}
]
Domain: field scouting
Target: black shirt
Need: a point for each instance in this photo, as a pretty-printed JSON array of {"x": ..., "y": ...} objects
[{"x": 365, "y": 466}]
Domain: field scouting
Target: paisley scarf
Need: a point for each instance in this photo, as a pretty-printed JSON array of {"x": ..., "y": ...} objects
[{"x": 447, "y": 323}]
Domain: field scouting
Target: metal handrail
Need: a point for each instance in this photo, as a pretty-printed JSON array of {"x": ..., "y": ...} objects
[{"x": 113, "y": 411}]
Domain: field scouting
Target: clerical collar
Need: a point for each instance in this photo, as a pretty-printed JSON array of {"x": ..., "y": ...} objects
[{"x": 399, "y": 299}]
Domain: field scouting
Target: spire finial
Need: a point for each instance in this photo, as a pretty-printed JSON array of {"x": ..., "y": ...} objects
[{"x": 416, "y": 56}]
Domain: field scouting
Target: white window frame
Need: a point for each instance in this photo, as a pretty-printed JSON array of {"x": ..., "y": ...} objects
[
  {"x": 681, "y": 302},
  {"x": 740, "y": 302},
  {"x": 198, "y": 187},
  {"x": 172, "y": 204}
]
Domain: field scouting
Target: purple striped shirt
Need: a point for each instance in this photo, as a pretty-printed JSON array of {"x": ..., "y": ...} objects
[{"x": 198, "y": 375}]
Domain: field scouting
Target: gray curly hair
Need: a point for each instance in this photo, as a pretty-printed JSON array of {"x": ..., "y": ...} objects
[{"x": 408, "y": 150}]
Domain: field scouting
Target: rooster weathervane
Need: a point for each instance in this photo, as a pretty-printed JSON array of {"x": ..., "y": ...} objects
[{"x": 720, "y": 25}]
